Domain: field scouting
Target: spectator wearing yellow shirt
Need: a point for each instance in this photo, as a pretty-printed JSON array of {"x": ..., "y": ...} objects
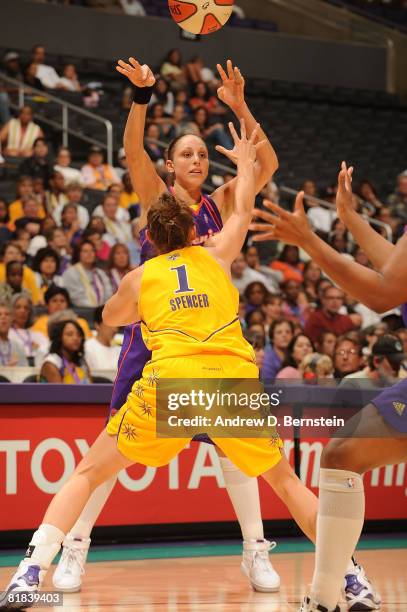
[
  {"x": 13, "y": 252},
  {"x": 128, "y": 197},
  {"x": 25, "y": 187},
  {"x": 57, "y": 299}
]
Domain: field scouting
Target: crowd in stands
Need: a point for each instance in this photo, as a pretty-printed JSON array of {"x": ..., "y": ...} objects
[{"x": 62, "y": 257}]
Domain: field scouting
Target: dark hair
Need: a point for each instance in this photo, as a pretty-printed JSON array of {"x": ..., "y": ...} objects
[
  {"x": 202, "y": 108},
  {"x": 253, "y": 284},
  {"x": 6, "y": 245},
  {"x": 7, "y": 217},
  {"x": 43, "y": 254},
  {"x": 110, "y": 259},
  {"x": 278, "y": 322},
  {"x": 12, "y": 263},
  {"x": 39, "y": 139},
  {"x": 169, "y": 152},
  {"x": 289, "y": 357},
  {"x": 38, "y": 46},
  {"x": 169, "y": 222},
  {"x": 170, "y": 52},
  {"x": 250, "y": 314},
  {"x": 283, "y": 254},
  {"x": 54, "y": 290},
  {"x": 77, "y": 250},
  {"x": 98, "y": 315},
  {"x": 307, "y": 265},
  {"x": 56, "y": 333},
  {"x": 206, "y": 95},
  {"x": 67, "y": 207}
]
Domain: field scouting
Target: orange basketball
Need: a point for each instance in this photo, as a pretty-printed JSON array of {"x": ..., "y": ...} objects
[{"x": 201, "y": 16}]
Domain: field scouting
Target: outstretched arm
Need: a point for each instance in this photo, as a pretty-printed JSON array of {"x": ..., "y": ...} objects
[
  {"x": 377, "y": 248},
  {"x": 231, "y": 93},
  {"x": 144, "y": 177},
  {"x": 378, "y": 290},
  {"x": 122, "y": 307},
  {"x": 231, "y": 239}
]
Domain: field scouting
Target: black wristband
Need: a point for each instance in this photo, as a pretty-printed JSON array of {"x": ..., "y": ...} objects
[{"x": 142, "y": 95}]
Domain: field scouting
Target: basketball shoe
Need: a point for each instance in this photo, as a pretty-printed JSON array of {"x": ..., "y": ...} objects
[
  {"x": 257, "y": 567},
  {"x": 26, "y": 581},
  {"x": 359, "y": 593},
  {"x": 313, "y": 606},
  {"x": 68, "y": 574}
]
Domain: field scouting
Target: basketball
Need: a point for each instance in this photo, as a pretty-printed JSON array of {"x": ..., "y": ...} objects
[{"x": 201, "y": 16}]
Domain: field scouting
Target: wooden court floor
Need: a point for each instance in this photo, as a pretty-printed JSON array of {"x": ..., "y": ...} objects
[{"x": 216, "y": 584}]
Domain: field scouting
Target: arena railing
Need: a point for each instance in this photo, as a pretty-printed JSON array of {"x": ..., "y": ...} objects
[{"x": 24, "y": 91}]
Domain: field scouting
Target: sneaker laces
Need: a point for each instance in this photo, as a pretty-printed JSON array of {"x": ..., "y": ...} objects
[
  {"x": 261, "y": 557},
  {"x": 72, "y": 555}
]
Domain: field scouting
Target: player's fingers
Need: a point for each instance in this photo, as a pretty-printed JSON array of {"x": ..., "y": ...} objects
[
  {"x": 234, "y": 133},
  {"x": 225, "y": 152},
  {"x": 134, "y": 62},
  {"x": 277, "y": 210},
  {"x": 124, "y": 64},
  {"x": 238, "y": 76},
  {"x": 222, "y": 73},
  {"x": 121, "y": 70},
  {"x": 254, "y": 135},
  {"x": 229, "y": 68},
  {"x": 263, "y": 214},
  {"x": 299, "y": 202},
  {"x": 243, "y": 134},
  {"x": 261, "y": 227},
  {"x": 343, "y": 166},
  {"x": 350, "y": 172},
  {"x": 341, "y": 180}
]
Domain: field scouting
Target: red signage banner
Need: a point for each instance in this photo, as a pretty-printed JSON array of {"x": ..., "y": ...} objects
[{"x": 40, "y": 446}]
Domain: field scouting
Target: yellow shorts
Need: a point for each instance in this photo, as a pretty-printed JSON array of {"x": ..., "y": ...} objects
[{"x": 134, "y": 424}]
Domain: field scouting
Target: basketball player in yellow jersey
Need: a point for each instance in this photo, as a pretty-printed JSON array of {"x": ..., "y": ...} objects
[{"x": 172, "y": 229}]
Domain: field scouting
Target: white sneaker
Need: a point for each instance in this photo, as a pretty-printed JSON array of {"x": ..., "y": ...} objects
[
  {"x": 257, "y": 567},
  {"x": 313, "y": 606},
  {"x": 68, "y": 574},
  {"x": 359, "y": 592},
  {"x": 26, "y": 581}
]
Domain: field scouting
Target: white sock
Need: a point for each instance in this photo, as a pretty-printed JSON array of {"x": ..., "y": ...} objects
[
  {"x": 84, "y": 525},
  {"x": 339, "y": 525},
  {"x": 45, "y": 544},
  {"x": 244, "y": 495}
]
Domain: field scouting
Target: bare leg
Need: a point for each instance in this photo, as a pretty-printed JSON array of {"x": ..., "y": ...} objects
[
  {"x": 300, "y": 501},
  {"x": 101, "y": 463}
]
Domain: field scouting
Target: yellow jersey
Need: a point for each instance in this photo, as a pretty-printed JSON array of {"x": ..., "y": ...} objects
[{"x": 188, "y": 306}]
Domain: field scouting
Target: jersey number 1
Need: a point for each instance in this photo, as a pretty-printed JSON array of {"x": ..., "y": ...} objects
[{"x": 182, "y": 280}]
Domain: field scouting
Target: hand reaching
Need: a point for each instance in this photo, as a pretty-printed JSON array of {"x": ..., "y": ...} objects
[
  {"x": 291, "y": 228},
  {"x": 344, "y": 195},
  {"x": 231, "y": 92},
  {"x": 233, "y": 154},
  {"x": 141, "y": 76},
  {"x": 244, "y": 150}
]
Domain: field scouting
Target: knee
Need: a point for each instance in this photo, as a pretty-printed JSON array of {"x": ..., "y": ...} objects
[{"x": 342, "y": 455}]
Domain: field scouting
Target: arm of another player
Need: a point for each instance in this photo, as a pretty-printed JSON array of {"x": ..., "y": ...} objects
[
  {"x": 379, "y": 291},
  {"x": 122, "y": 307},
  {"x": 231, "y": 239},
  {"x": 377, "y": 248},
  {"x": 146, "y": 182},
  {"x": 231, "y": 93}
]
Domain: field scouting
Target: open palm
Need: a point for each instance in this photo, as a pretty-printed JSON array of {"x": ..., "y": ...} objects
[{"x": 139, "y": 75}]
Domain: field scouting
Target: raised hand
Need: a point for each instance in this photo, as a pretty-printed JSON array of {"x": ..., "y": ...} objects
[
  {"x": 141, "y": 76},
  {"x": 233, "y": 154},
  {"x": 344, "y": 195},
  {"x": 231, "y": 91},
  {"x": 291, "y": 228}
]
